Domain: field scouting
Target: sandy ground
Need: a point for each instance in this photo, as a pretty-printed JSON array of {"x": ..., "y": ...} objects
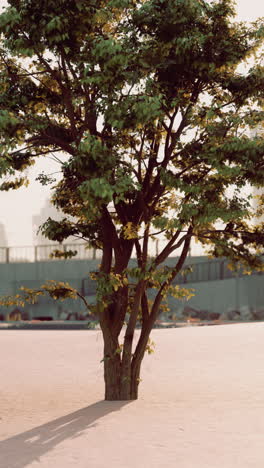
[{"x": 201, "y": 401}]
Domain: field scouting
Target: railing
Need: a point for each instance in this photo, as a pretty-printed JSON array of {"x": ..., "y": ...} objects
[
  {"x": 212, "y": 270},
  {"x": 203, "y": 271},
  {"x": 42, "y": 253}
]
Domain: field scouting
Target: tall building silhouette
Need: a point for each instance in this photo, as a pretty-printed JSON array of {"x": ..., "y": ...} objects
[
  {"x": 3, "y": 236},
  {"x": 47, "y": 211}
]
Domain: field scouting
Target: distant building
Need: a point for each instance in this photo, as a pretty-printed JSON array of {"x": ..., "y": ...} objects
[
  {"x": 47, "y": 211},
  {"x": 3, "y": 236},
  {"x": 3, "y": 243}
]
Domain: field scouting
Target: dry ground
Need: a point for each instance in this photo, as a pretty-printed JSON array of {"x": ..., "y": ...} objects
[{"x": 201, "y": 401}]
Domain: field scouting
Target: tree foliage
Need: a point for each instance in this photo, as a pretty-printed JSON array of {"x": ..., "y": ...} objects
[{"x": 146, "y": 99}]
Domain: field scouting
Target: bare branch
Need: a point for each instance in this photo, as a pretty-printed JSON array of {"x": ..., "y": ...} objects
[
  {"x": 174, "y": 272},
  {"x": 83, "y": 299},
  {"x": 168, "y": 249}
]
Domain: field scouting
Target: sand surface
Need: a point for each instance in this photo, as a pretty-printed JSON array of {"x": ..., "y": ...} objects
[{"x": 201, "y": 401}]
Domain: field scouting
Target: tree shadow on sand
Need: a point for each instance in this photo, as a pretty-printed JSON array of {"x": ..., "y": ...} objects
[{"x": 25, "y": 448}]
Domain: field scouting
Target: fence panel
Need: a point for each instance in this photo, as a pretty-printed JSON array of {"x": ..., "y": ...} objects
[
  {"x": 212, "y": 270},
  {"x": 22, "y": 254},
  {"x": 43, "y": 253},
  {"x": 3, "y": 255}
]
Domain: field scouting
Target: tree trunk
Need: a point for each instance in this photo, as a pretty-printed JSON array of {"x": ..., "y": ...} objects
[
  {"x": 112, "y": 379},
  {"x": 117, "y": 388},
  {"x": 122, "y": 376},
  {"x": 121, "y": 381},
  {"x": 112, "y": 367}
]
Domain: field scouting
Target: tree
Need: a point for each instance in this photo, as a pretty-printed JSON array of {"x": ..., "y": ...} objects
[{"x": 147, "y": 101}]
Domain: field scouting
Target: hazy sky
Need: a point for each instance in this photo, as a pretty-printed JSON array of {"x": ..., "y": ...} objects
[{"x": 17, "y": 207}]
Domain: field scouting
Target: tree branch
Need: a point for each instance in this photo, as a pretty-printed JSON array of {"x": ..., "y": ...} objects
[
  {"x": 83, "y": 299},
  {"x": 66, "y": 90},
  {"x": 174, "y": 272},
  {"x": 168, "y": 249}
]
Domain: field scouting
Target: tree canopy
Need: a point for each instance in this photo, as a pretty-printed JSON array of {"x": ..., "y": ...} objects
[{"x": 147, "y": 100}]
